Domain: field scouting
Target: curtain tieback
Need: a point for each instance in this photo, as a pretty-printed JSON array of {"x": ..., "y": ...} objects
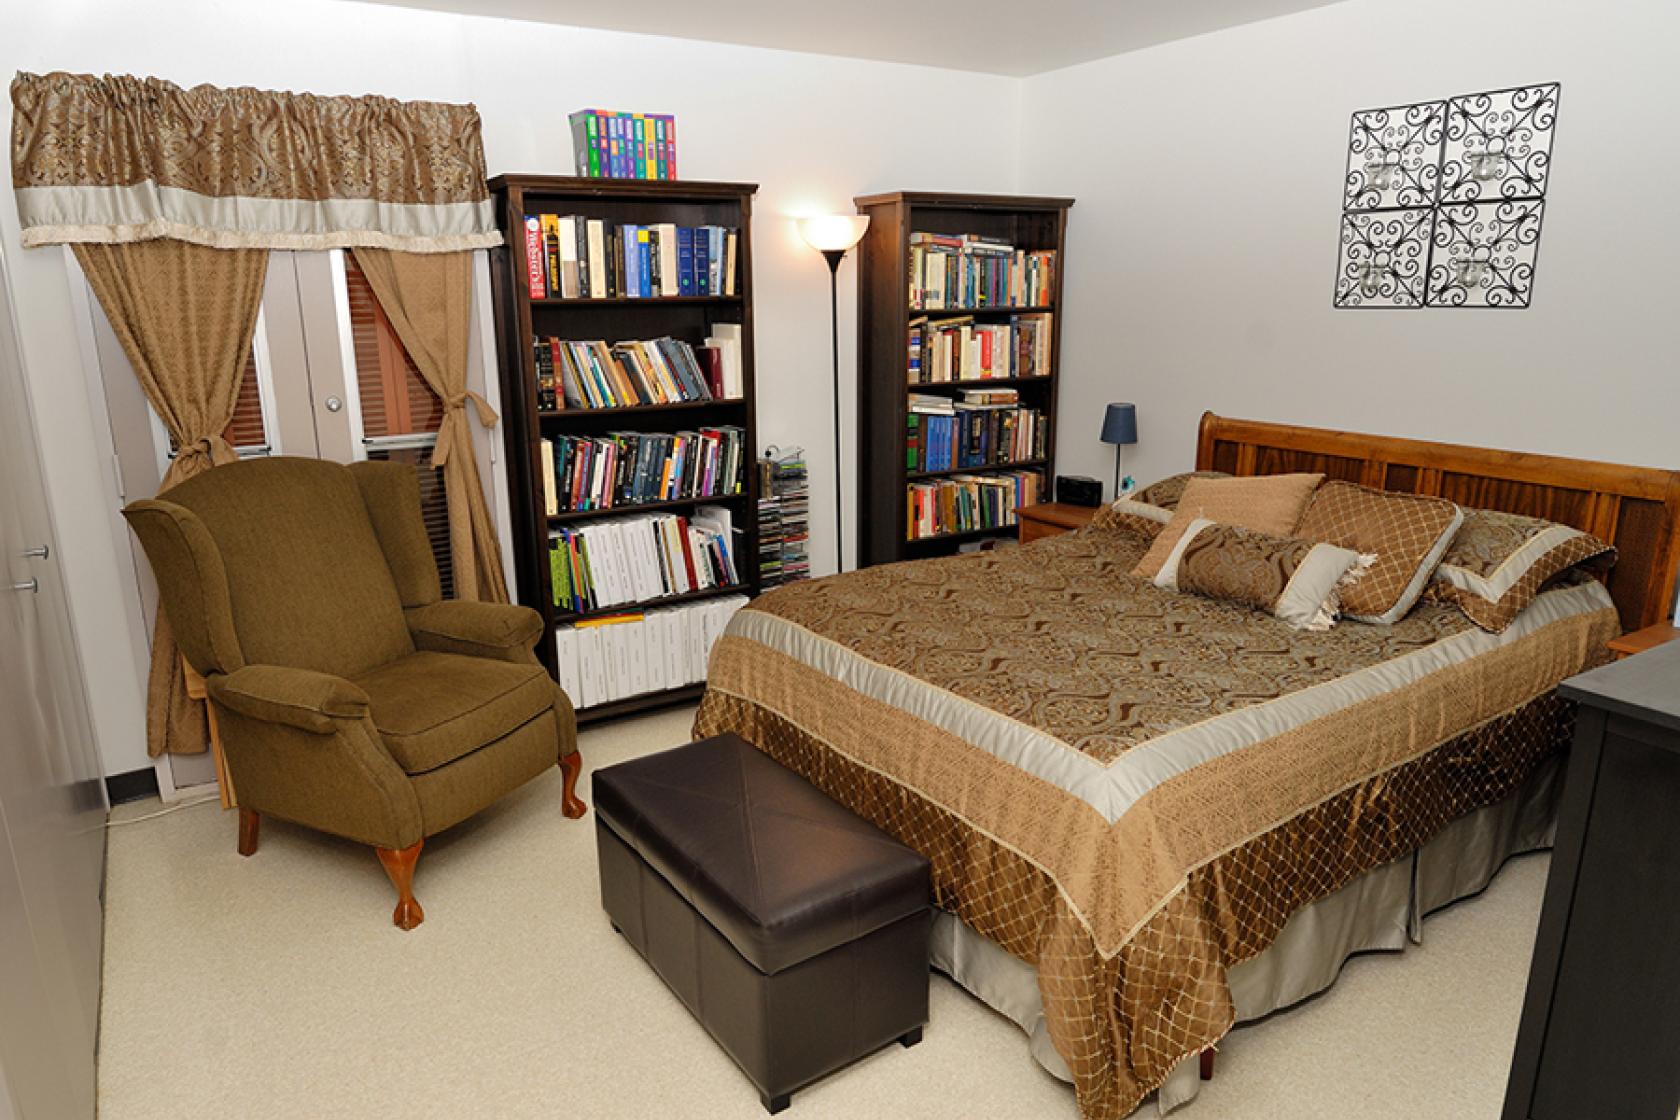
[
  {"x": 454, "y": 406},
  {"x": 194, "y": 456}
]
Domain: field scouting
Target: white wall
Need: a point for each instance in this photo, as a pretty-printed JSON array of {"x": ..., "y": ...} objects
[
  {"x": 812, "y": 131},
  {"x": 1203, "y": 244}
]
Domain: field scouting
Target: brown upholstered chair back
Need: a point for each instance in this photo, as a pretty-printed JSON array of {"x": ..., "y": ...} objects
[{"x": 309, "y": 583}]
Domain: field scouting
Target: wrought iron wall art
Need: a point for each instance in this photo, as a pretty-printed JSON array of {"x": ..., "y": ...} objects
[{"x": 1442, "y": 200}]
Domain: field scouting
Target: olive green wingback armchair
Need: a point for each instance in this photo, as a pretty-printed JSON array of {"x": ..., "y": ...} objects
[{"x": 349, "y": 695}]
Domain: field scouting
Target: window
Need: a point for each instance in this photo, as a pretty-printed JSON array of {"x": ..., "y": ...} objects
[{"x": 399, "y": 413}]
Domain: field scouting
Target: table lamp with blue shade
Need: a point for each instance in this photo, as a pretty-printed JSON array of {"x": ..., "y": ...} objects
[{"x": 1120, "y": 428}]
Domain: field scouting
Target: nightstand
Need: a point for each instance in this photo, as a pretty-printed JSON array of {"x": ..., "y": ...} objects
[
  {"x": 1639, "y": 640},
  {"x": 1051, "y": 519}
]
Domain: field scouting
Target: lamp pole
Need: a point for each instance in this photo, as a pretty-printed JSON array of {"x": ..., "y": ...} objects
[{"x": 834, "y": 257}]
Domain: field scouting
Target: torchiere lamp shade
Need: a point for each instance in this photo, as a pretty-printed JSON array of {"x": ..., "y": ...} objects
[{"x": 1120, "y": 424}]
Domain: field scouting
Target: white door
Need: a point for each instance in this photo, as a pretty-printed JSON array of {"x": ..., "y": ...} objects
[{"x": 52, "y": 796}]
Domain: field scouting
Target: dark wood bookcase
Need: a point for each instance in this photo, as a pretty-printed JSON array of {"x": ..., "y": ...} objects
[
  {"x": 520, "y": 319},
  {"x": 884, "y": 315}
]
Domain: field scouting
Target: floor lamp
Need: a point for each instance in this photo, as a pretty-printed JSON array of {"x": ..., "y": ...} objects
[{"x": 833, "y": 235}]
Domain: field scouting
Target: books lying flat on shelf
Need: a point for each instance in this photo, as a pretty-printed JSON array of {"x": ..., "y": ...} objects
[
  {"x": 966, "y": 435},
  {"x": 964, "y": 503},
  {"x": 611, "y": 145},
  {"x": 963, "y": 350},
  {"x": 573, "y": 256},
  {"x": 596, "y": 374},
  {"x": 969, "y": 270},
  {"x": 635, "y": 468},
  {"x": 784, "y": 509},
  {"x": 623, "y": 655},
  {"x": 640, "y": 557}
]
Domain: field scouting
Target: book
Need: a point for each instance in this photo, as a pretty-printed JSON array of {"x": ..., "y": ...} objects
[
  {"x": 635, "y": 652},
  {"x": 619, "y": 145},
  {"x": 535, "y": 270},
  {"x": 974, "y": 271},
  {"x": 958, "y": 348},
  {"x": 638, "y": 558},
  {"x": 728, "y": 338},
  {"x": 577, "y": 257},
  {"x": 596, "y": 374},
  {"x": 783, "y": 518},
  {"x": 968, "y": 436},
  {"x": 967, "y": 503}
]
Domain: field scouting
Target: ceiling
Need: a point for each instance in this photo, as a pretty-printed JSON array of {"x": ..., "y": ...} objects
[{"x": 991, "y": 36}]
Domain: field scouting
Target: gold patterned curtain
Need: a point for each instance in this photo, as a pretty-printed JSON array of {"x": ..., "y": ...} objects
[
  {"x": 184, "y": 315},
  {"x": 428, "y": 298},
  {"x": 120, "y": 158},
  {"x": 172, "y": 198}
]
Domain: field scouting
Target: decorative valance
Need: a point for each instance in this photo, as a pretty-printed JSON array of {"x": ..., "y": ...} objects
[{"x": 119, "y": 159}]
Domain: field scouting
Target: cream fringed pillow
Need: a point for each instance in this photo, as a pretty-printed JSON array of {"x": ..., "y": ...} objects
[
  {"x": 1269, "y": 503},
  {"x": 1300, "y": 582}
]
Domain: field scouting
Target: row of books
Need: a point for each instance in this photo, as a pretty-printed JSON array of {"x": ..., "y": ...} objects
[
  {"x": 963, "y": 350},
  {"x": 597, "y": 374},
  {"x": 640, "y": 557},
  {"x": 623, "y": 655},
  {"x": 611, "y": 145},
  {"x": 967, "y": 502},
  {"x": 573, "y": 256},
  {"x": 971, "y": 270},
  {"x": 965, "y": 435},
  {"x": 784, "y": 511},
  {"x": 635, "y": 468}
]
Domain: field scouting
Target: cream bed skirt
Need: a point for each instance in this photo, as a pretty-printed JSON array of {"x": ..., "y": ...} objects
[{"x": 1382, "y": 909}]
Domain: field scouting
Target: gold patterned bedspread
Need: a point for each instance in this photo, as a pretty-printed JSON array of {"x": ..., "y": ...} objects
[{"x": 1132, "y": 789}]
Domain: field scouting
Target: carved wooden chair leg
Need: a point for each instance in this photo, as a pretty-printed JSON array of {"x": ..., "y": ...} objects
[
  {"x": 571, "y": 765},
  {"x": 1207, "y": 1064},
  {"x": 249, "y": 824},
  {"x": 399, "y": 865}
]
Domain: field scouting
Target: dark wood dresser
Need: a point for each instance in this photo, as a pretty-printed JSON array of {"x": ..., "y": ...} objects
[{"x": 1600, "y": 1031}]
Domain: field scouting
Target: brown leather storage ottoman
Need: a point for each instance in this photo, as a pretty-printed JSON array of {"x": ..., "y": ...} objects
[{"x": 795, "y": 931}]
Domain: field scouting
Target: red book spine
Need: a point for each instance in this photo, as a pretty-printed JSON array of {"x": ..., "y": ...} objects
[
  {"x": 534, "y": 258},
  {"x": 687, "y": 551}
]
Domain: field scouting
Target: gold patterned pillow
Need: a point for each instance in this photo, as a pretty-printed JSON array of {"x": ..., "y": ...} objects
[
  {"x": 1145, "y": 511},
  {"x": 1298, "y": 581},
  {"x": 1407, "y": 533},
  {"x": 1271, "y": 503},
  {"x": 1166, "y": 492},
  {"x": 1499, "y": 562}
]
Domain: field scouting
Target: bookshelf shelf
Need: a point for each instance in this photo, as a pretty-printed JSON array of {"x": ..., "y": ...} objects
[
  {"x": 966, "y": 535},
  {"x": 884, "y": 317},
  {"x": 641, "y": 409},
  {"x": 959, "y": 312},
  {"x": 1023, "y": 465},
  {"x": 569, "y": 516},
  {"x": 520, "y": 319},
  {"x": 979, "y": 383},
  {"x": 649, "y": 604},
  {"x": 634, "y": 301}
]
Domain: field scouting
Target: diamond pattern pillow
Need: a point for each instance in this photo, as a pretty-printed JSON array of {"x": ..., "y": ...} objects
[
  {"x": 1499, "y": 562},
  {"x": 1408, "y": 533},
  {"x": 1270, "y": 503}
]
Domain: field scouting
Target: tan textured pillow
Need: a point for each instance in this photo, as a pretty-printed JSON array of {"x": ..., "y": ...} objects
[
  {"x": 1300, "y": 582},
  {"x": 1269, "y": 503},
  {"x": 1498, "y": 563},
  {"x": 1407, "y": 532}
]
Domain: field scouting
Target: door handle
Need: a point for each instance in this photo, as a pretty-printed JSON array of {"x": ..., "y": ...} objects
[
  {"x": 39, "y": 552},
  {"x": 31, "y": 585}
]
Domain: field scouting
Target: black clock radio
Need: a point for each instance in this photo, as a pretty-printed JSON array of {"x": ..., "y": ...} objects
[{"x": 1078, "y": 490}]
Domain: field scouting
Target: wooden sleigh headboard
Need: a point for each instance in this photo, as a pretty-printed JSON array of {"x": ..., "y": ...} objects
[{"x": 1637, "y": 509}]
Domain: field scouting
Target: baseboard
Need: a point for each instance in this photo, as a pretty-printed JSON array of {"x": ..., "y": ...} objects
[{"x": 134, "y": 785}]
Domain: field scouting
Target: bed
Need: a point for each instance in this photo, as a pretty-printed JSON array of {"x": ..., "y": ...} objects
[{"x": 1152, "y": 815}]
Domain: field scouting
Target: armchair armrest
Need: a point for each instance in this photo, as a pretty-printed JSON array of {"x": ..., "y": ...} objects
[
  {"x": 300, "y": 698},
  {"x": 496, "y": 630}
]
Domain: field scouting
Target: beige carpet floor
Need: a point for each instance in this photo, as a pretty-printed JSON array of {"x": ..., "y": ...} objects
[{"x": 277, "y": 987}]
